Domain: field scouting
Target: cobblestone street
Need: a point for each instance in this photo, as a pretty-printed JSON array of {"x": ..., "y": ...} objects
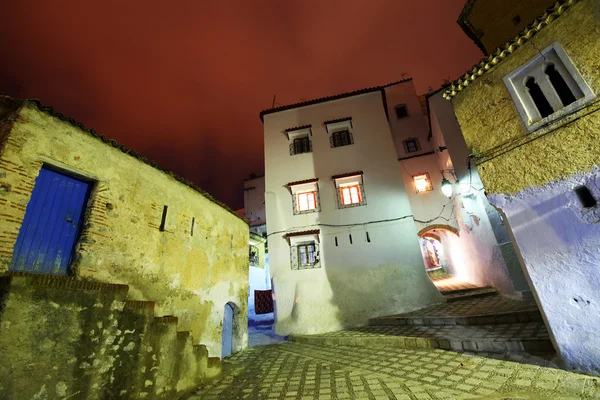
[{"x": 303, "y": 371}]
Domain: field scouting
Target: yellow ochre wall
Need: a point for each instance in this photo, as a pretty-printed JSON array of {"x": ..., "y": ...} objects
[
  {"x": 489, "y": 118},
  {"x": 191, "y": 277}
]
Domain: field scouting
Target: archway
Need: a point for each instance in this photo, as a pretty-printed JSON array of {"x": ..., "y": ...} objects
[
  {"x": 439, "y": 247},
  {"x": 227, "y": 334}
]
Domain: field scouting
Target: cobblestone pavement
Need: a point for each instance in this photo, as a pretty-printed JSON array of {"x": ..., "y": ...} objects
[
  {"x": 491, "y": 305},
  {"x": 296, "y": 371},
  {"x": 530, "y": 330}
]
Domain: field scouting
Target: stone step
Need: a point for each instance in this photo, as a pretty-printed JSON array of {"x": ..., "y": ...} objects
[
  {"x": 472, "y": 320},
  {"x": 524, "y": 337},
  {"x": 470, "y": 294},
  {"x": 449, "y": 292},
  {"x": 213, "y": 367}
]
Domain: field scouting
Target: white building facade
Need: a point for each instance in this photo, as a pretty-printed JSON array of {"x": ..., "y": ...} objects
[{"x": 343, "y": 246}]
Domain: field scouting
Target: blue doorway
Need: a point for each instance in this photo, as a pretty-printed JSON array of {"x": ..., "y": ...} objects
[
  {"x": 227, "y": 335},
  {"x": 52, "y": 224}
]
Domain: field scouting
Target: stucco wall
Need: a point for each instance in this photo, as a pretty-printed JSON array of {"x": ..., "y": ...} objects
[
  {"x": 66, "y": 339},
  {"x": 191, "y": 277},
  {"x": 532, "y": 182},
  {"x": 357, "y": 280},
  {"x": 495, "y": 19},
  {"x": 489, "y": 118},
  {"x": 254, "y": 200},
  {"x": 484, "y": 252},
  {"x": 559, "y": 242}
]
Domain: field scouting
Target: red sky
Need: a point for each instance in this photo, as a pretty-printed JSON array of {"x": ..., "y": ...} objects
[{"x": 183, "y": 82}]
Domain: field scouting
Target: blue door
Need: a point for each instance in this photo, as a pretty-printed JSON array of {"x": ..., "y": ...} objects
[
  {"x": 51, "y": 225},
  {"x": 227, "y": 335}
]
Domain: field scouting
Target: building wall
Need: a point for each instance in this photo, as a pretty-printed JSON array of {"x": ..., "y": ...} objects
[
  {"x": 484, "y": 248},
  {"x": 532, "y": 181},
  {"x": 408, "y": 127},
  {"x": 492, "y": 20},
  {"x": 191, "y": 277},
  {"x": 359, "y": 280},
  {"x": 254, "y": 200}
]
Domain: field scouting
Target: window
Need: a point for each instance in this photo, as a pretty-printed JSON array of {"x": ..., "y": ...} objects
[
  {"x": 547, "y": 87},
  {"x": 253, "y": 254},
  {"x": 411, "y": 145},
  {"x": 306, "y": 254},
  {"x": 305, "y": 196},
  {"x": 350, "y": 195},
  {"x": 300, "y": 145},
  {"x": 516, "y": 19},
  {"x": 341, "y": 138},
  {"x": 350, "y": 190},
  {"x": 307, "y": 201},
  {"x": 340, "y": 131},
  {"x": 304, "y": 249},
  {"x": 422, "y": 183},
  {"x": 401, "y": 111}
]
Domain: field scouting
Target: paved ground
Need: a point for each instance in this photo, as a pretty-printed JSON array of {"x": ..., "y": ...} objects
[
  {"x": 476, "y": 306},
  {"x": 505, "y": 331},
  {"x": 299, "y": 371}
]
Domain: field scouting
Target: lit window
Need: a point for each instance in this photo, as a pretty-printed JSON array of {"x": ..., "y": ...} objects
[
  {"x": 422, "y": 183},
  {"x": 350, "y": 194},
  {"x": 547, "y": 87},
  {"x": 306, "y": 254},
  {"x": 350, "y": 190},
  {"x": 305, "y": 196},
  {"x": 307, "y": 201}
]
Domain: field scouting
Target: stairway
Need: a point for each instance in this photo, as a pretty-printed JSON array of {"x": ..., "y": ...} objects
[
  {"x": 472, "y": 319},
  {"x": 64, "y": 337}
]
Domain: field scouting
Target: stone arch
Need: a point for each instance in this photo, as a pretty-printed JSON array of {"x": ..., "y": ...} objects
[{"x": 442, "y": 227}]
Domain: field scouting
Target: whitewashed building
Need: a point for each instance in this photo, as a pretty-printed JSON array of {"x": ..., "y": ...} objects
[{"x": 343, "y": 246}]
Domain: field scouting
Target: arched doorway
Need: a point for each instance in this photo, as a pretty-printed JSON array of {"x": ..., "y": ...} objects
[
  {"x": 227, "y": 335},
  {"x": 431, "y": 248}
]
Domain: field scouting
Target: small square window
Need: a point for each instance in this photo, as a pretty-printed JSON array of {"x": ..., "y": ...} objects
[
  {"x": 300, "y": 145},
  {"x": 306, "y": 201},
  {"x": 411, "y": 145},
  {"x": 305, "y": 196},
  {"x": 422, "y": 183},
  {"x": 516, "y": 19},
  {"x": 350, "y": 190},
  {"x": 401, "y": 111},
  {"x": 341, "y": 138},
  {"x": 350, "y": 195},
  {"x": 305, "y": 255}
]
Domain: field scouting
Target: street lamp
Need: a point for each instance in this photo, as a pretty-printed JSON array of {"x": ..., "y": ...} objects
[{"x": 446, "y": 188}]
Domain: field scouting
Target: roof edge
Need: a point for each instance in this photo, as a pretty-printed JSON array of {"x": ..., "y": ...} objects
[
  {"x": 328, "y": 98},
  {"x": 113, "y": 143}
]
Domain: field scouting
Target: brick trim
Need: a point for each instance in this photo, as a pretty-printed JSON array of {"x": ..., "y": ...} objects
[
  {"x": 139, "y": 304},
  {"x": 167, "y": 319},
  {"x": 441, "y": 227},
  {"x": 66, "y": 282}
]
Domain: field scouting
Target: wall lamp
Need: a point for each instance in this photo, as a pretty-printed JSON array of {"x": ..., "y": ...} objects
[{"x": 447, "y": 187}]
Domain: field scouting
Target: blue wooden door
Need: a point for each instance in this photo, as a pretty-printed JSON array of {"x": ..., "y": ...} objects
[
  {"x": 227, "y": 335},
  {"x": 51, "y": 225}
]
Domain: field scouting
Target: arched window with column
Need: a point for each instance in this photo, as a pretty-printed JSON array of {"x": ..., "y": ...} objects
[
  {"x": 538, "y": 97},
  {"x": 560, "y": 85}
]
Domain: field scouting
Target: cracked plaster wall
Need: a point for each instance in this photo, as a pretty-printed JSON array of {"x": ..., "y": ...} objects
[{"x": 191, "y": 277}]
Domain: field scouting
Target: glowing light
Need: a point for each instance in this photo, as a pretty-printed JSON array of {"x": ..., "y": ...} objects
[
  {"x": 446, "y": 188},
  {"x": 422, "y": 183}
]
